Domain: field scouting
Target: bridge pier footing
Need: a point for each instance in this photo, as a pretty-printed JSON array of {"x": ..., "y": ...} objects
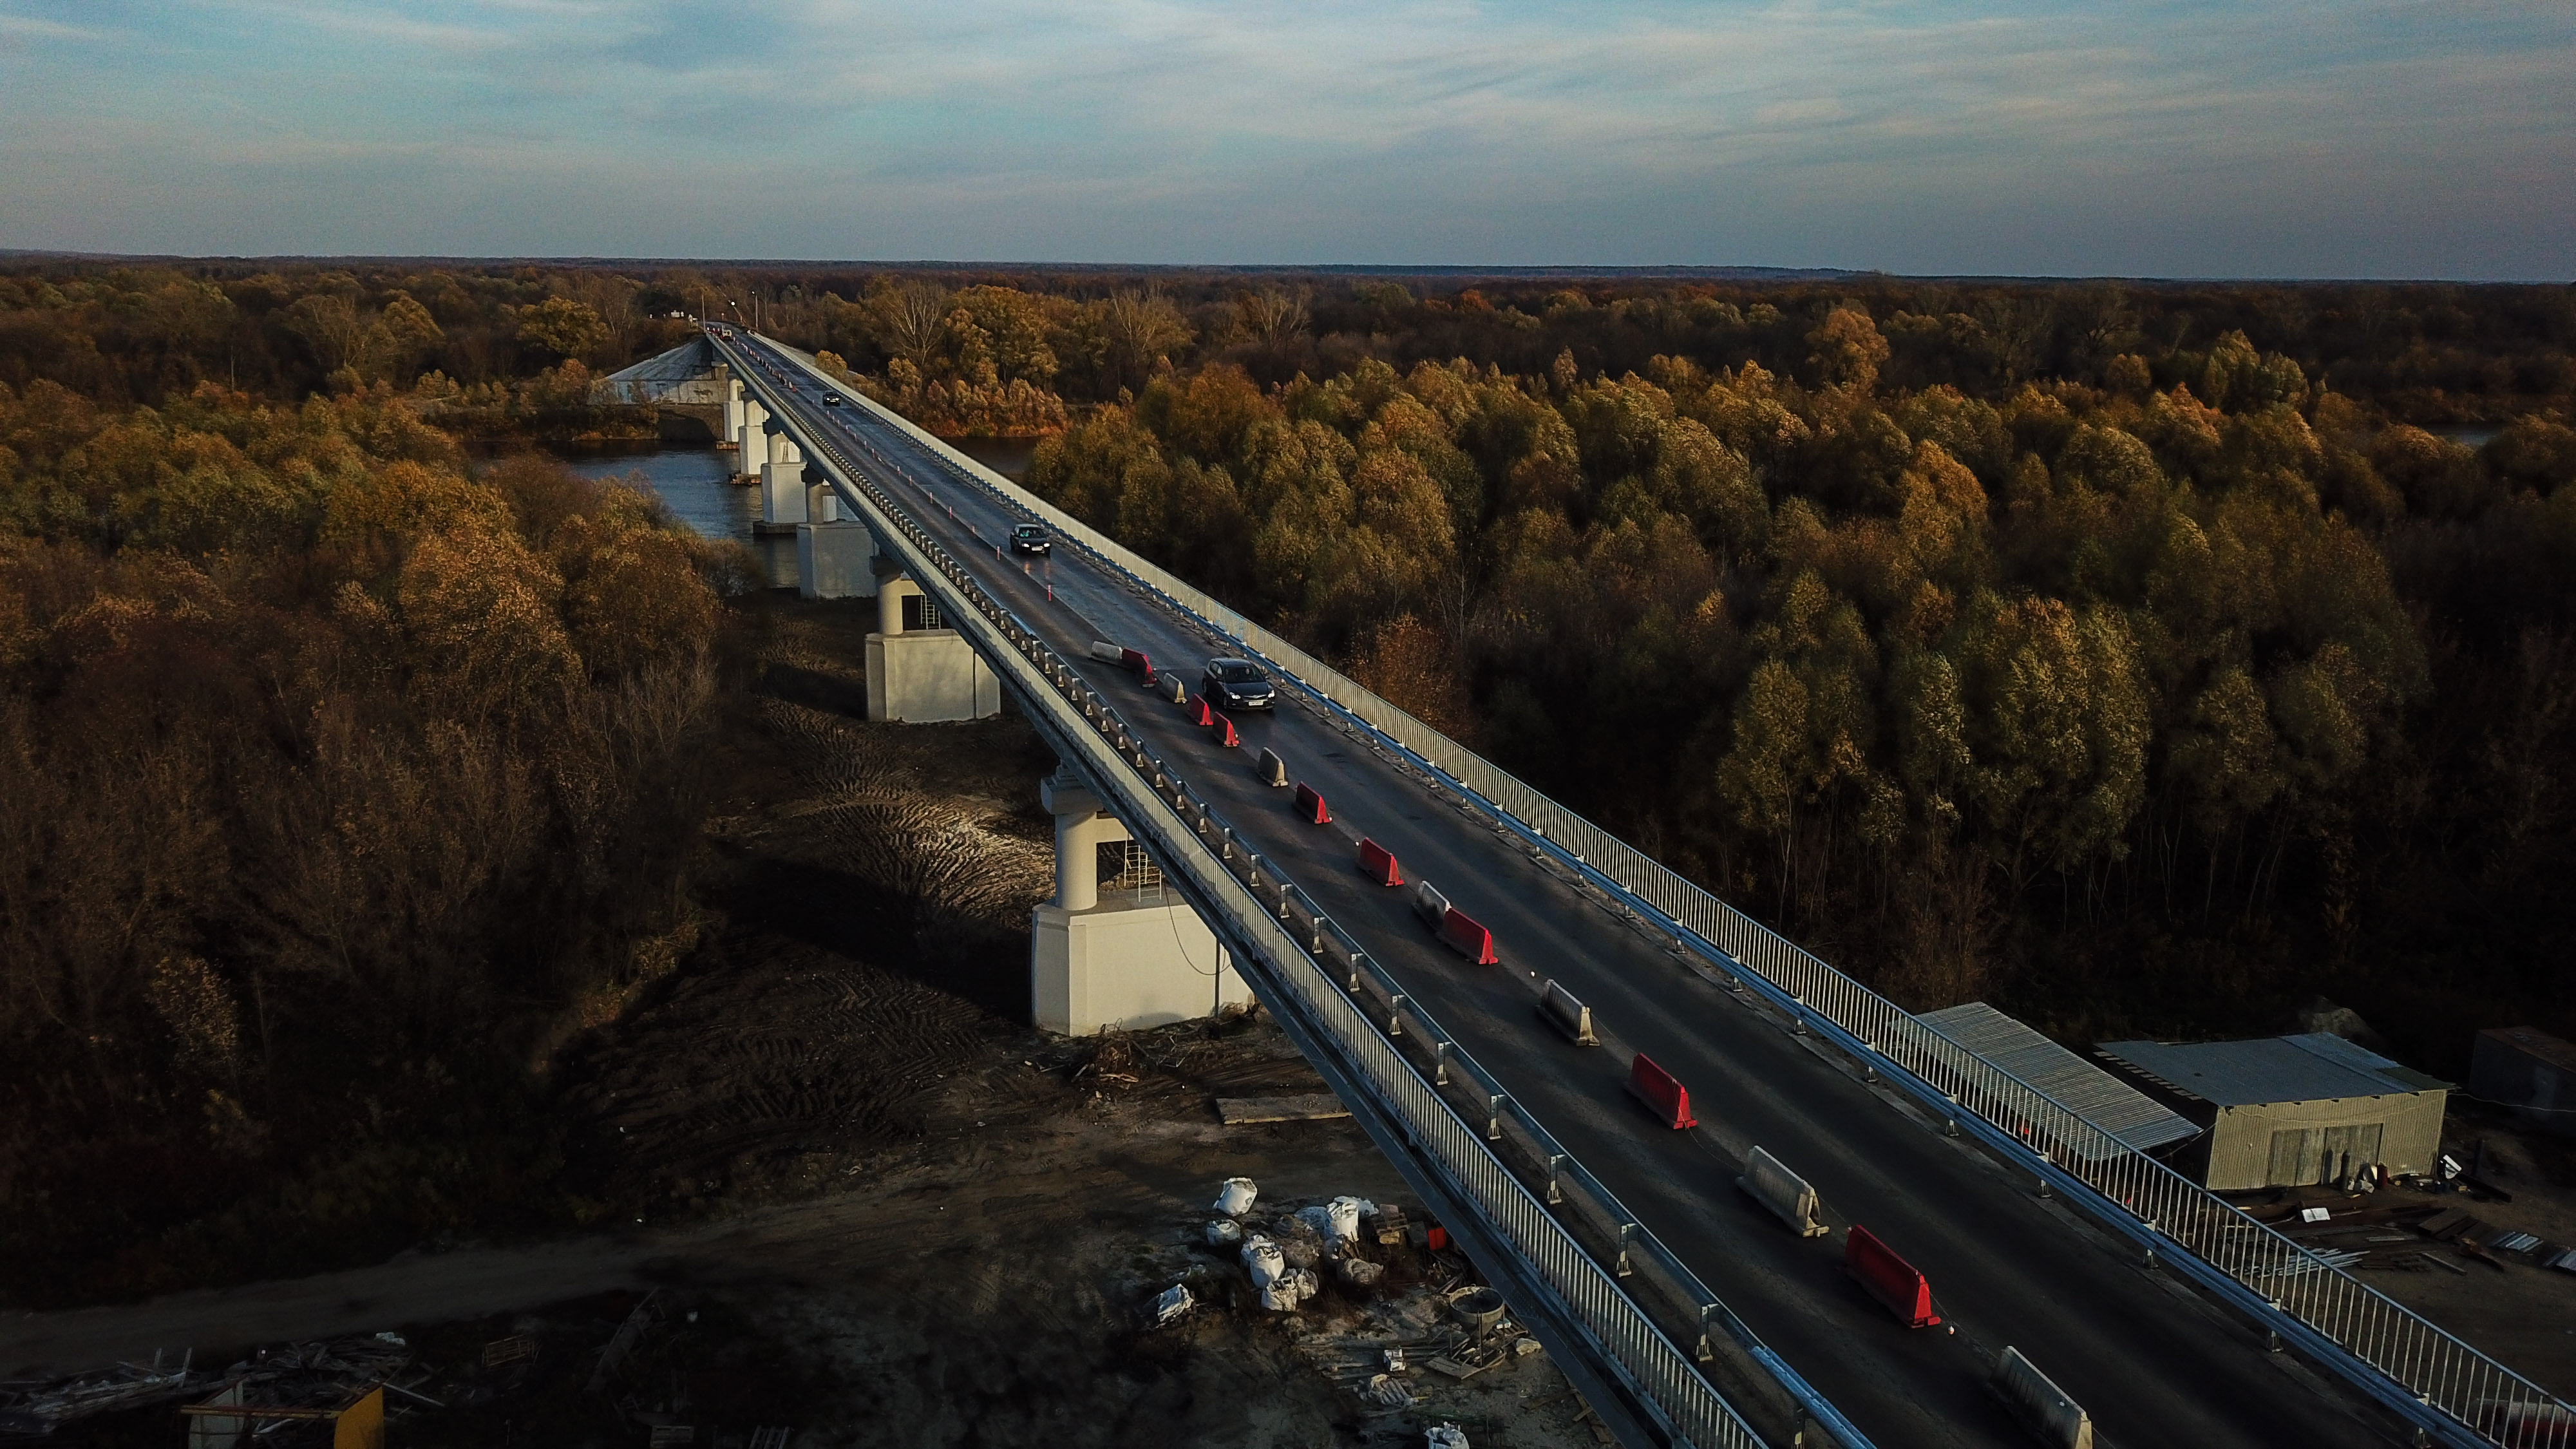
[
  {"x": 1126, "y": 957},
  {"x": 918, "y": 671},
  {"x": 836, "y": 560}
]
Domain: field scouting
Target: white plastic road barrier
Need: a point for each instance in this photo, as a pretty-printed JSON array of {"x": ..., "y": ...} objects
[
  {"x": 1180, "y": 692},
  {"x": 1107, "y": 653},
  {"x": 2042, "y": 1406},
  {"x": 1783, "y": 1192},
  {"x": 1430, "y": 905},
  {"x": 1567, "y": 1014},
  {"x": 1235, "y": 1198},
  {"x": 1274, "y": 770}
]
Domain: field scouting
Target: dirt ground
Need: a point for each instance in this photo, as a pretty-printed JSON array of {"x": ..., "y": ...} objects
[
  {"x": 875, "y": 1205},
  {"x": 2513, "y": 1309}
]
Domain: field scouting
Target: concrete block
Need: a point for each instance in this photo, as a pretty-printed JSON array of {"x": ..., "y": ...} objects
[
  {"x": 1128, "y": 967},
  {"x": 833, "y": 561},
  {"x": 926, "y": 675},
  {"x": 782, "y": 494}
]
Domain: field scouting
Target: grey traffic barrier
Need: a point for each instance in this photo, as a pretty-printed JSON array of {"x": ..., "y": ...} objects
[
  {"x": 1274, "y": 770},
  {"x": 1567, "y": 1014},
  {"x": 1106, "y": 653},
  {"x": 1784, "y": 1192},
  {"x": 1429, "y": 904},
  {"x": 2040, "y": 1405}
]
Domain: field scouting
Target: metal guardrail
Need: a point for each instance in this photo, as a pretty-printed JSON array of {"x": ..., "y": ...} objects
[
  {"x": 2398, "y": 1357},
  {"x": 1458, "y": 1113}
]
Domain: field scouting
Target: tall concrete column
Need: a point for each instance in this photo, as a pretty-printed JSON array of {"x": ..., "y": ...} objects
[
  {"x": 890, "y": 597},
  {"x": 754, "y": 440},
  {"x": 1081, "y": 828},
  {"x": 733, "y": 401}
]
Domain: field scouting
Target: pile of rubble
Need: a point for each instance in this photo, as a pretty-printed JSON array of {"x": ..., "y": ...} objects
[
  {"x": 2394, "y": 1230},
  {"x": 36, "y": 1408},
  {"x": 297, "y": 1394},
  {"x": 1408, "y": 1321}
]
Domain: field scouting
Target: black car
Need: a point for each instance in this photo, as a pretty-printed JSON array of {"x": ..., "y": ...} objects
[
  {"x": 1030, "y": 538},
  {"x": 831, "y": 399},
  {"x": 1238, "y": 684}
]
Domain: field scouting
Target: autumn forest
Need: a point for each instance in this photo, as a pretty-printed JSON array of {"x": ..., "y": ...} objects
[{"x": 2143, "y": 658}]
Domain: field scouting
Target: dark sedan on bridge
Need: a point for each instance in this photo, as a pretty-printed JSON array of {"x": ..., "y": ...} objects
[
  {"x": 1030, "y": 538},
  {"x": 1238, "y": 684}
]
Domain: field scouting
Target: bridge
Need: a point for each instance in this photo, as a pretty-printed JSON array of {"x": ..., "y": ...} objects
[{"x": 2109, "y": 1295}]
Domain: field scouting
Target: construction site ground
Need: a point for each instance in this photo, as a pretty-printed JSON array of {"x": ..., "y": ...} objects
[{"x": 873, "y": 1205}]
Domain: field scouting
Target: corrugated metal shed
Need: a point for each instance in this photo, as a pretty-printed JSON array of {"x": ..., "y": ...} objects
[
  {"x": 2314, "y": 1068},
  {"x": 2083, "y": 1088}
]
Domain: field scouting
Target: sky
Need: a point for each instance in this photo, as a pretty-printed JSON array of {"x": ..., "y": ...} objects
[{"x": 2024, "y": 137}]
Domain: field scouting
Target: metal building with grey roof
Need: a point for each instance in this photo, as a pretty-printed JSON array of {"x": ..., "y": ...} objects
[{"x": 2290, "y": 1110}]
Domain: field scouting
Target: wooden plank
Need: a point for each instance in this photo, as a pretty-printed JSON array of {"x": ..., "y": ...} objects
[{"x": 1241, "y": 1111}]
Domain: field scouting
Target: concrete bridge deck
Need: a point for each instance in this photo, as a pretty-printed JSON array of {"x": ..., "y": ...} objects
[{"x": 2154, "y": 1362}]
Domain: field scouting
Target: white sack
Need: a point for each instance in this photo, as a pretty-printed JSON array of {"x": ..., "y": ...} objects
[{"x": 1236, "y": 1198}]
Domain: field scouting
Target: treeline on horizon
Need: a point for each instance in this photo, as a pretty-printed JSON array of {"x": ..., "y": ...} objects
[{"x": 2144, "y": 659}]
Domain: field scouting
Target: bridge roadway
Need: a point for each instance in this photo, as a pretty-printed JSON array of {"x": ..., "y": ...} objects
[{"x": 2152, "y": 1362}]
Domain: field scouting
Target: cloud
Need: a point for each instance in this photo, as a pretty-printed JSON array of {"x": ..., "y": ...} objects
[{"x": 2161, "y": 137}]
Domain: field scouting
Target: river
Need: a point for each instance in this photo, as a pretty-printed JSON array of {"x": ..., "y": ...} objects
[{"x": 697, "y": 485}]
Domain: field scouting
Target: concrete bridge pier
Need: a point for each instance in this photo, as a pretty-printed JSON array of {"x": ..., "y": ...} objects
[
  {"x": 917, "y": 670},
  {"x": 836, "y": 559},
  {"x": 729, "y": 437},
  {"x": 780, "y": 467},
  {"x": 752, "y": 439},
  {"x": 1127, "y": 956}
]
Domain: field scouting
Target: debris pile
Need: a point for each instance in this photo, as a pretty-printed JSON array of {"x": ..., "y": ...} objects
[
  {"x": 39, "y": 1407},
  {"x": 332, "y": 1392},
  {"x": 1374, "y": 1299},
  {"x": 2375, "y": 1231}
]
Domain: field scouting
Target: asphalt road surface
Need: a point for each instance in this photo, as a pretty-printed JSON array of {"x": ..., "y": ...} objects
[{"x": 2154, "y": 1364}]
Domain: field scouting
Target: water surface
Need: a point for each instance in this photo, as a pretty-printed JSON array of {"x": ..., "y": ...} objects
[{"x": 697, "y": 485}]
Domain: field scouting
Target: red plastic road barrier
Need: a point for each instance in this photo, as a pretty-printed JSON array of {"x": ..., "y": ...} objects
[
  {"x": 1435, "y": 1237},
  {"x": 1656, "y": 1088},
  {"x": 1135, "y": 659},
  {"x": 1378, "y": 864},
  {"x": 1889, "y": 1279},
  {"x": 1200, "y": 714},
  {"x": 1311, "y": 805},
  {"x": 1462, "y": 935},
  {"x": 1224, "y": 729}
]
